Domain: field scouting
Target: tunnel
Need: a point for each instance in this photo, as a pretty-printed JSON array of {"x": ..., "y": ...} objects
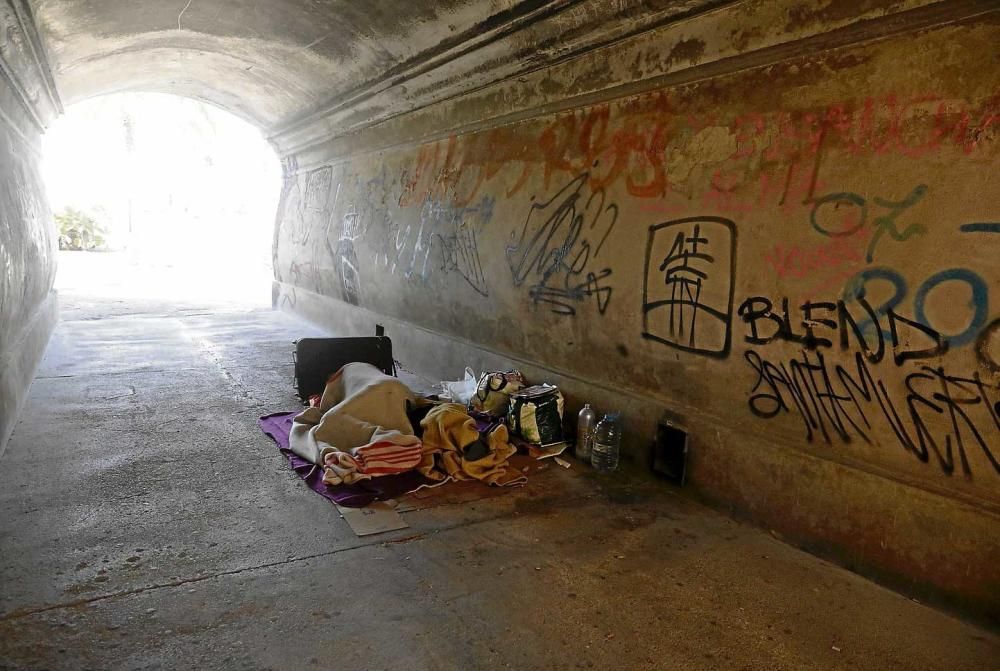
[{"x": 770, "y": 227}]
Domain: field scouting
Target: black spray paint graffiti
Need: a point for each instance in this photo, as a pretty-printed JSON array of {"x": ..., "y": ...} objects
[
  {"x": 687, "y": 299},
  {"x": 457, "y": 237},
  {"x": 555, "y": 247},
  {"x": 766, "y": 325},
  {"x": 830, "y": 399},
  {"x": 835, "y": 402},
  {"x": 828, "y": 209},
  {"x": 453, "y": 231}
]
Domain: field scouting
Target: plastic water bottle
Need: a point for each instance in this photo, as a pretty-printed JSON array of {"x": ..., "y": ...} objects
[
  {"x": 607, "y": 443},
  {"x": 585, "y": 432}
]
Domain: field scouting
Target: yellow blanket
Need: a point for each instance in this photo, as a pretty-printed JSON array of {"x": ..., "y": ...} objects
[{"x": 448, "y": 429}]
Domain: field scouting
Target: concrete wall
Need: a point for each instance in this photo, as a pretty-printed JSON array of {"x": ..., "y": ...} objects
[
  {"x": 27, "y": 241},
  {"x": 775, "y": 221}
]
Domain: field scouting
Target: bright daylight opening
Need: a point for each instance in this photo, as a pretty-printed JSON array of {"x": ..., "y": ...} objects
[{"x": 161, "y": 199}]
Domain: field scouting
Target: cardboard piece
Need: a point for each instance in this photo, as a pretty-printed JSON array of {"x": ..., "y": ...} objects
[
  {"x": 546, "y": 451},
  {"x": 375, "y": 518}
]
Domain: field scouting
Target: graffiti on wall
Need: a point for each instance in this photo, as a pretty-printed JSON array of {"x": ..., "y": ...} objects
[
  {"x": 456, "y": 232},
  {"x": 837, "y": 401},
  {"x": 555, "y": 252},
  {"x": 314, "y": 206},
  {"x": 831, "y": 398},
  {"x": 821, "y": 321},
  {"x": 687, "y": 300},
  {"x": 828, "y": 217},
  {"x": 799, "y": 262},
  {"x": 445, "y": 239},
  {"x": 340, "y": 243},
  {"x": 657, "y": 144},
  {"x": 977, "y": 306},
  {"x": 852, "y": 229},
  {"x": 838, "y": 330},
  {"x": 940, "y": 416}
]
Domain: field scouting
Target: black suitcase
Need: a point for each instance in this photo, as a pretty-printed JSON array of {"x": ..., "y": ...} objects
[{"x": 316, "y": 359}]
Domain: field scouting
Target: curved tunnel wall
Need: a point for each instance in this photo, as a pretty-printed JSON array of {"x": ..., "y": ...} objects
[
  {"x": 773, "y": 221},
  {"x": 27, "y": 241},
  {"x": 792, "y": 252}
]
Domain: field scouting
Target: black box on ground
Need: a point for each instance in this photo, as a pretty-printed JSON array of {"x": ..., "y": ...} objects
[{"x": 316, "y": 359}]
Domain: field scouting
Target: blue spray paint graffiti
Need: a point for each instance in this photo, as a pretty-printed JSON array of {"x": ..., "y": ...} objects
[
  {"x": 884, "y": 224},
  {"x": 857, "y": 289},
  {"x": 979, "y": 302}
]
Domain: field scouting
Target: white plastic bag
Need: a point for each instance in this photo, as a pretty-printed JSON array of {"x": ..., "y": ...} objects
[{"x": 460, "y": 391}]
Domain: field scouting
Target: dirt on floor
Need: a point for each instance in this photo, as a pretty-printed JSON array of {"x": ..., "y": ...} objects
[{"x": 148, "y": 524}]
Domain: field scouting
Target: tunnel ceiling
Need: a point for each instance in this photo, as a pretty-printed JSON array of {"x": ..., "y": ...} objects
[
  {"x": 283, "y": 64},
  {"x": 267, "y": 61}
]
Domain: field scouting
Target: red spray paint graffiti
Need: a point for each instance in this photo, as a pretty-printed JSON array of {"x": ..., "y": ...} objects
[{"x": 631, "y": 142}]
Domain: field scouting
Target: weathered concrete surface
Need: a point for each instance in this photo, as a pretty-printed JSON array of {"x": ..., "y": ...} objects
[
  {"x": 287, "y": 64},
  {"x": 536, "y": 180},
  {"x": 542, "y": 69},
  {"x": 796, "y": 189},
  {"x": 27, "y": 243},
  {"x": 147, "y": 524},
  {"x": 309, "y": 72}
]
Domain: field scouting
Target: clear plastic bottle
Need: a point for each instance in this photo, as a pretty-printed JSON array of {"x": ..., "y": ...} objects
[
  {"x": 585, "y": 432},
  {"x": 607, "y": 443}
]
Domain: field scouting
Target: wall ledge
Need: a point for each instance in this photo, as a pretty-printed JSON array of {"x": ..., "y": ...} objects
[
  {"x": 331, "y": 131},
  {"x": 24, "y": 64},
  {"x": 540, "y": 25}
]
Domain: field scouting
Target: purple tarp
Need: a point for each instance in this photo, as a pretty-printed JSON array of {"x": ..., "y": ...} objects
[{"x": 279, "y": 425}]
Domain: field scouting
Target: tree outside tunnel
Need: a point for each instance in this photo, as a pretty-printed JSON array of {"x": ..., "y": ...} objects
[{"x": 164, "y": 198}]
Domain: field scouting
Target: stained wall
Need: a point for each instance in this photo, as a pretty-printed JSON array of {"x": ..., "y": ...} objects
[
  {"x": 785, "y": 239},
  {"x": 27, "y": 241}
]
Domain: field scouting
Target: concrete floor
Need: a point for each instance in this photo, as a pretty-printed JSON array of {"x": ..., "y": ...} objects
[{"x": 148, "y": 524}]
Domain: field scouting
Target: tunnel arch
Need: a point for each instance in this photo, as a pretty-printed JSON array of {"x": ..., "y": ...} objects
[
  {"x": 380, "y": 92},
  {"x": 269, "y": 62}
]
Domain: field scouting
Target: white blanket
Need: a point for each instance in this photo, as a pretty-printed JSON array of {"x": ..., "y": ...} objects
[{"x": 360, "y": 429}]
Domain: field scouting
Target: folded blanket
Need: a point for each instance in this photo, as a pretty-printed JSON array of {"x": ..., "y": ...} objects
[
  {"x": 356, "y": 495},
  {"x": 452, "y": 448},
  {"x": 360, "y": 429}
]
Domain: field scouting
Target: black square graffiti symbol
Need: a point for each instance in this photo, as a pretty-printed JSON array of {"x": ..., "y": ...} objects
[{"x": 687, "y": 297}]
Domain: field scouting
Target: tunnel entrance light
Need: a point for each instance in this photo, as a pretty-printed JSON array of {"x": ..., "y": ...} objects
[{"x": 162, "y": 197}]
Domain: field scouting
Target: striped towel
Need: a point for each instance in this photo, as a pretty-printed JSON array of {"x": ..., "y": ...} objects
[{"x": 391, "y": 453}]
